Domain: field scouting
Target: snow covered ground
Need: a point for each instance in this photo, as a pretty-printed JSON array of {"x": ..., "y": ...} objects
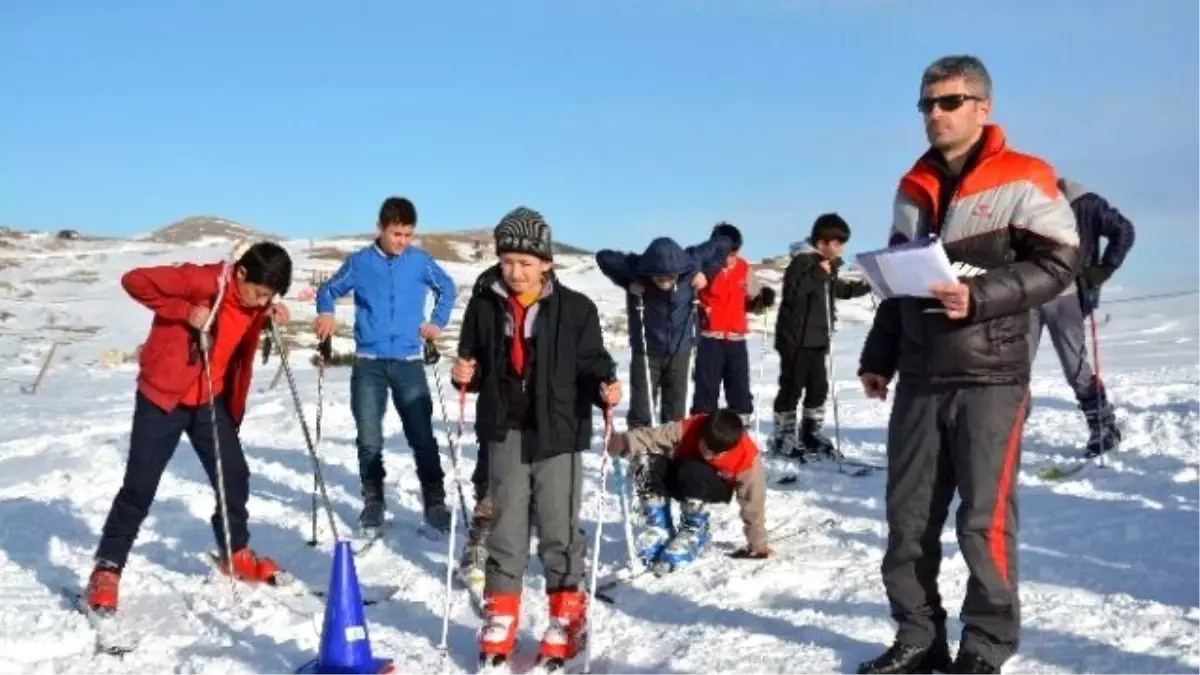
[{"x": 1109, "y": 560}]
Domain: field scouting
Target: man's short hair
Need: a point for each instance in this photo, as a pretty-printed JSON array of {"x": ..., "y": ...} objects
[
  {"x": 829, "y": 227},
  {"x": 968, "y": 67},
  {"x": 267, "y": 264}
]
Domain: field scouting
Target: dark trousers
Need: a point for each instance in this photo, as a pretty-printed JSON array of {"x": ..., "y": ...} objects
[
  {"x": 965, "y": 439},
  {"x": 152, "y": 443},
  {"x": 683, "y": 479},
  {"x": 370, "y": 381},
  {"x": 717, "y": 362},
  {"x": 669, "y": 377},
  {"x": 803, "y": 371}
]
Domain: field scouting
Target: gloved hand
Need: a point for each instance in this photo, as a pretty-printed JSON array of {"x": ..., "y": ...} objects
[
  {"x": 763, "y": 301},
  {"x": 1096, "y": 275},
  {"x": 747, "y": 553}
]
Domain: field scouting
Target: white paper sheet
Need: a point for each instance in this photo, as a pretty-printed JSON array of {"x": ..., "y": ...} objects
[{"x": 907, "y": 270}]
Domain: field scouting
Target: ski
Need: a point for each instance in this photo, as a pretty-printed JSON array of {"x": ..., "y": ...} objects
[
  {"x": 110, "y": 640},
  {"x": 627, "y": 576},
  {"x": 1065, "y": 470},
  {"x": 121, "y": 632},
  {"x": 285, "y": 580},
  {"x": 846, "y": 467}
]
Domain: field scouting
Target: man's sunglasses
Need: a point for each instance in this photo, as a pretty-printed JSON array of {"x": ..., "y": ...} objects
[{"x": 947, "y": 103}]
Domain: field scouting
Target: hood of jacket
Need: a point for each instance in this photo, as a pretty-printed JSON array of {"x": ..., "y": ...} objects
[
  {"x": 665, "y": 258},
  {"x": 800, "y": 247}
]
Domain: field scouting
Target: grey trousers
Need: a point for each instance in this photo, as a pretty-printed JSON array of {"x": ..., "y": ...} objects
[
  {"x": 546, "y": 494},
  {"x": 669, "y": 376},
  {"x": 965, "y": 440},
  {"x": 1064, "y": 318}
]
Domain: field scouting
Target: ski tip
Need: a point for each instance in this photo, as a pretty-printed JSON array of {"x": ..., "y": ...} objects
[{"x": 787, "y": 480}]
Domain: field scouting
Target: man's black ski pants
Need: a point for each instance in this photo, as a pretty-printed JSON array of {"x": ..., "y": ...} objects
[{"x": 941, "y": 441}]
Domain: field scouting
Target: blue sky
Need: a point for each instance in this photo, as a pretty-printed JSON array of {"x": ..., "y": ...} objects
[{"x": 619, "y": 120}]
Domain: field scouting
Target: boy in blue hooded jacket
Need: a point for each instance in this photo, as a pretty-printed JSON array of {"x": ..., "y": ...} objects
[
  {"x": 390, "y": 280},
  {"x": 663, "y": 282}
]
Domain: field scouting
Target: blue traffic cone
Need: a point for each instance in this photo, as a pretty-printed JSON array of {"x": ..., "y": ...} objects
[{"x": 345, "y": 645}]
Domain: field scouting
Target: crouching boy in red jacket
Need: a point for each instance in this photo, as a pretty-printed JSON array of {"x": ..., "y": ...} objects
[
  {"x": 702, "y": 460},
  {"x": 173, "y": 397}
]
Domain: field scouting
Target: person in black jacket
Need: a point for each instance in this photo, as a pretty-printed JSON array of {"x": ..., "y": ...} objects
[
  {"x": 662, "y": 283},
  {"x": 962, "y": 356},
  {"x": 1064, "y": 315},
  {"x": 533, "y": 350},
  {"x": 803, "y": 336}
]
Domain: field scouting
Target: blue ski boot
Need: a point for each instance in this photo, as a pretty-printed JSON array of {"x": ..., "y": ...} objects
[
  {"x": 657, "y": 528},
  {"x": 690, "y": 540}
]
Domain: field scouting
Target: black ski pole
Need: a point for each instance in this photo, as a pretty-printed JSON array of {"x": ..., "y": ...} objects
[{"x": 308, "y": 439}]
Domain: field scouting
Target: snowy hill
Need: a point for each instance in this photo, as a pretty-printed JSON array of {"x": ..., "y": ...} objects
[{"x": 1109, "y": 564}]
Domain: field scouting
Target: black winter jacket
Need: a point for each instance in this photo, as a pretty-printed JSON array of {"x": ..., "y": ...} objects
[
  {"x": 1010, "y": 234},
  {"x": 808, "y": 293},
  {"x": 569, "y": 364}
]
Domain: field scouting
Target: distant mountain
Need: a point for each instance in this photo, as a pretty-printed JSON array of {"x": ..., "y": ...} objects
[{"x": 198, "y": 228}]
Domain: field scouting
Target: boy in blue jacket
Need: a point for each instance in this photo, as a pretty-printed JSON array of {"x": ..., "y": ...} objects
[
  {"x": 663, "y": 282},
  {"x": 390, "y": 279}
]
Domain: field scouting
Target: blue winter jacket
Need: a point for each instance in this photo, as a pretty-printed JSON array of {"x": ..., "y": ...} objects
[
  {"x": 389, "y": 299},
  {"x": 1096, "y": 218},
  {"x": 670, "y": 315}
]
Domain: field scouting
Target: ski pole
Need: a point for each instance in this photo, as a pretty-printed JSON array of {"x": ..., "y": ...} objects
[
  {"x": 1096, "y": 366},
  {"x": 324, "y": 355},
  {"x": 432, "y": 357},
  {"x": 204, "y": 340},
  {"x": 599, "y": 511},
  {"x": 308, "y": 440},
  {"x": 837, "y": 427}
]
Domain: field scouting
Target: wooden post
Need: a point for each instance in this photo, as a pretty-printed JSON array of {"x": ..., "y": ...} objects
[{"x": 32, "y": 389}]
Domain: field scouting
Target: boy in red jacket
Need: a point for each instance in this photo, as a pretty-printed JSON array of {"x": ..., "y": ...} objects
[
  {"x": 174, "y": 397},
  {"x": 722, "y": 355},
  {"x": 702, "y": 460}
]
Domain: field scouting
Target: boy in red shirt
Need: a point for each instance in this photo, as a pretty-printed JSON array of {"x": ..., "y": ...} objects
[
  {"x": 722, "y": 355},
  {"x": 174, "y": 397},
  {"x": 702, "y": 460}
]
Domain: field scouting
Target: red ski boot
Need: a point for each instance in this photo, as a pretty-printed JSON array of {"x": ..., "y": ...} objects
[
  {"x": 102, "y": 590},
  {"x": 498, "y": 636},
  {"x": 566, "y": 635},
  {"x": 249, "y": 567}
]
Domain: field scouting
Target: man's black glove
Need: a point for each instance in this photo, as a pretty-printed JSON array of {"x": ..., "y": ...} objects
[
  {"x": 431, "y": 355},
  {"x": 1095, "y": 275}
]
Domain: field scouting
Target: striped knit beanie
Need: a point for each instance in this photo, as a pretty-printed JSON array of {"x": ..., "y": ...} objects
[{"x": 524, "y": 230}]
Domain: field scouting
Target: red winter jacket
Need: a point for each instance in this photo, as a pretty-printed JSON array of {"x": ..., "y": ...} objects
[
  {"x": 724, "y": 299},
  {"x": 167, "y": 371}
]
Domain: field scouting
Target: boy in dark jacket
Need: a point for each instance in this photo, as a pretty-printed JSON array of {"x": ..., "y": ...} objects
[
  {"x": 662, "y": 284},
  {"x": 803, "y": 331},
  {"x": 702, "y": 460},
  {"x": 532, "y": 348},
  {"x": 175, "y": 396}
]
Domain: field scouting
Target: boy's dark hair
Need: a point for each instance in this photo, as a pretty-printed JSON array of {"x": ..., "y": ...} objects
[
  {"x": 397, "y": 211},
  {"x": 729, "y": 231},
  {"x": 829, "y": 227},
  {"x": 722, "y": 430},
  {"x": 268, "y": 264}
]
